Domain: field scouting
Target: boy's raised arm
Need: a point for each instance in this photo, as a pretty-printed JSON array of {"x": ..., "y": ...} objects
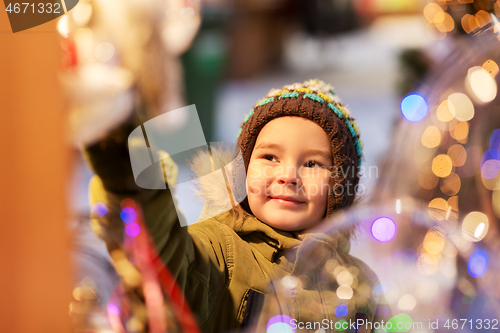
[{"x": 196, "y": 259}]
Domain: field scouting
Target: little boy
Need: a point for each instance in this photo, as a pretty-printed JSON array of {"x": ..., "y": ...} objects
[{"x": 259, "y": 265}]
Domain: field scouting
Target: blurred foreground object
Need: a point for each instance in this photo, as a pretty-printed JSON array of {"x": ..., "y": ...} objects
[
  {"x": 121, "y": 54},
  {"x": 34, "y": 243},
  {"x": 120, "y": 66}
]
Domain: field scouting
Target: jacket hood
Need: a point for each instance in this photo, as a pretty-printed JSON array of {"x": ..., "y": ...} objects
[{"x": 212, "y": 187}]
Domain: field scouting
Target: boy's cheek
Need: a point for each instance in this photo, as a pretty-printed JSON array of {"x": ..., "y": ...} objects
[
  {"x": 255, "y": 169},
  {"x": 254, "y": 187}
]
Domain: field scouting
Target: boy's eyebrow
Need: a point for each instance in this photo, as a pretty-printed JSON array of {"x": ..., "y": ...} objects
[
  {"x": 320, "y": 152},
  {"x": 269, "y": 145}
]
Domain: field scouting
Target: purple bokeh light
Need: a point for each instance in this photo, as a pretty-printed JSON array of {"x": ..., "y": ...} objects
[
  {"x": 113, "y": 309},
  {"x": 279, "y": 319},
  {"x": 133, "y": 229},
  {"x": 383, "y": 229}
]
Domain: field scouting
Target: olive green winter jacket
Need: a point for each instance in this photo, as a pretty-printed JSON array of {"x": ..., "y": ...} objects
[{"x": 236, "y": 278}]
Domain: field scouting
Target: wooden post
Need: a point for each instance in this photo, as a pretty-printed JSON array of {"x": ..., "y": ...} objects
[{"x": 35, "y": 276}]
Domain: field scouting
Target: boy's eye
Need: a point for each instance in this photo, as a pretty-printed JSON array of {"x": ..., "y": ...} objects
[
  {"x": 271, "y": 158},
  {"x": 312, "y": 164}
]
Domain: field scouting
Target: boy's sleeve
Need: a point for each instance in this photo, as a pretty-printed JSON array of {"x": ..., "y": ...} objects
[{"x": 196, "y": 259}]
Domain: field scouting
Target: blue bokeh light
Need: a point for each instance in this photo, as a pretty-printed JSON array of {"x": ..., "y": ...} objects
[
  {"x": 490, "y": 154},
  {"x": 495, "y": 140},
  {"x": 128, "y": 214},
  {"x": 341, "y": 310},
  {"x": 380, "y": 289},
  {"x": 414, "y": 107},
  {"x": 478, "y": 263}
]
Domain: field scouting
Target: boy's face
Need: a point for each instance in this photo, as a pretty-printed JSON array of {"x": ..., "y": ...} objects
[{"x": 288, "y": 174}]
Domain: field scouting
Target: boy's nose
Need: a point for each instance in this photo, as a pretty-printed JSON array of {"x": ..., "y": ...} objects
[{"x": 288, "y": 175}]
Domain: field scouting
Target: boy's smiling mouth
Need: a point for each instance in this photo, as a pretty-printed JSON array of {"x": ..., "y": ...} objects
[{"x": 286, "y": 201}]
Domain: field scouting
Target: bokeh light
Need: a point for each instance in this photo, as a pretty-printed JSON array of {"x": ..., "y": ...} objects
[
  {"x": 433, "y": 242},
  {"x": 461, "y": 106},
  {"x": 482, "y": 85},
  {"x": 128, "y": 214},
  {"x": 490, "y": 154},
  {"x": 475, "y": 226},
  {"x": 407, "y": 302},
  {"x": 402, "y": 320},
  {"x": 99, "y": 209},
  {"x": 133, "y": 229},
  {"x": 344, "y": 292},
  {"x": 453, "y": 203},
  {"x": 443, "y": 112},
  {"x": 82, "y": 13},
  {"x": 444, "y": 22},
  {"x": 383, "y": 229},
  {"x": 341, "y": 310},
  {"x": 457, "y": 154},
  {"x": 290, "y": 282},
  {"x": 62, "y": 27},
  {"x": 442, "y": 165},
  {"x": 398, "y": 206},
  {"x": 494, "y": 142},
  {"x": 113, "y": 309},
  {"x": 478, "y": 263},
  {"x": 459, "y": 130},
  {"x": 438, "y": 209},
  {"x": 127, "y": 202},
  {"x": 431, "y": 10},
  {"x": 491, "y": 67},
  {"x": 104, "y": 51},
  {"x": 431, "y": 137},
  {"x": 483, "y": 17},
  {"x": 414, "y": 107},
  {"x": 451, "y": 184},
  {"x": 490, "y": 164},
  {"x": 345, "y": 277},
  {"x": 380, "y": 289},
  {"x": 490, "y": 169},
  {"x": 469, "y": 23},
  {"x": 280, "y": 324}
]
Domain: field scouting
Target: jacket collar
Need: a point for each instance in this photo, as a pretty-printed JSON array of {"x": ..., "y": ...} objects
[{"x": 315, "y": 247}]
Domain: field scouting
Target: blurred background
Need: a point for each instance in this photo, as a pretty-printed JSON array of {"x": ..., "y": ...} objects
[{"x": 374, "y": 53}]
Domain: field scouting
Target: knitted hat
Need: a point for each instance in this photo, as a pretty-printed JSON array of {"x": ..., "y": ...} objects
[{"x": 316, "y": 101}]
